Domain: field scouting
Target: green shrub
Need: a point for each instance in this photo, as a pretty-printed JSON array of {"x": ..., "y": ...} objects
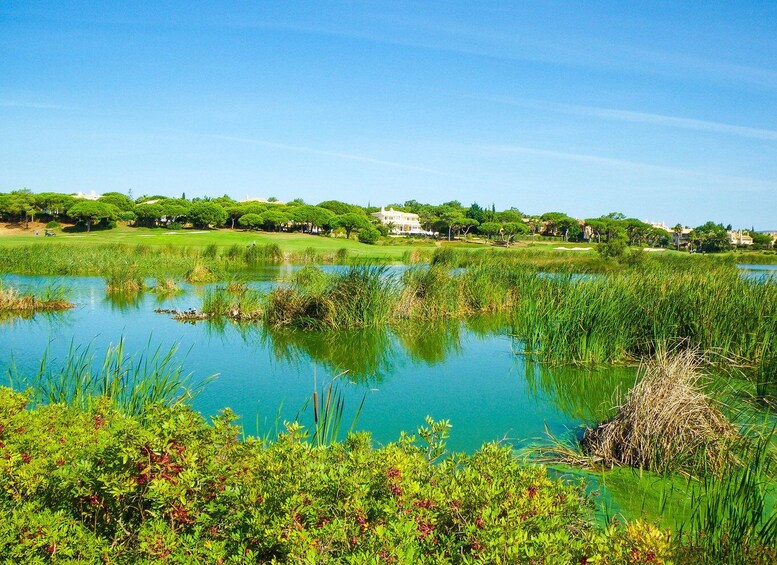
[
  {"x": 369, "y": 235},
  {"x": 97, "y": 485},
  {"x": 53, "y": 224}
]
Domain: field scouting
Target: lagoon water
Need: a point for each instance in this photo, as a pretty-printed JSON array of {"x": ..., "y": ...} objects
[{"x": 470, "y": 374}]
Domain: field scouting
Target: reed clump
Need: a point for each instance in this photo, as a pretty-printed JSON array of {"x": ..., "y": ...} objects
[
  {"x": 12, "y": 300},
  {"x": 125, "y": 280},
  {"x": 666, "y": 422},
  {"x": 236, "y": 301},
  {"x": 200, "y": 273},
  {"x": 166, "y": 286},
  {"x": 360, "y": 296}
]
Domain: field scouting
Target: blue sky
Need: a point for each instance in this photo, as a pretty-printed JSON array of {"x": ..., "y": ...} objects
[{"x": 664, "y": 111}]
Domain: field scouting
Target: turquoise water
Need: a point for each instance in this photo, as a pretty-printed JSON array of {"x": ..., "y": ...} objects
[{"x": 466, "y": 373}]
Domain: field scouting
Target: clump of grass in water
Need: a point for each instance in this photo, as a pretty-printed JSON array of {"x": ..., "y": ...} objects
[
  {"x": 666, "y": 423},
  {"x": 50, "y": 300},
  {"x": 124, "y": 280},
  {"x": 360, "y": 296},
  {"x": 235, "y": 301},
  {"x": 166, "y": 286},
  {"x": 130, "y": 384},
  {"x": 199, "y": 273},
  {"x": 261, "y": 254}
]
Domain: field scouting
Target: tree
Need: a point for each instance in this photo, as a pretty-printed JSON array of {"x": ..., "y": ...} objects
[
  {"x": 19, "y": 203},
  {"x": 250, "y": 221},
  {"x": 678, "y": 232},
  {"x": 54, "y": 203},
  {"x": 174, "y": 209},
  {"x": 148, "y": 214},
  {"x": 206, "y": 214},
  {"x": 340, "y": 208},
  {"x": 476, "y": 213},
  {"x": 490, "y": 229},
  {"x": 463, "y": 225},
  {"x": 613, "y": 248},
  {"x": 350, "y": 222},
  {"x": 234, "y": 212},
  {"x": 558, "y": 221},
  {"x": 369, "y": 235},
  {"x": 122, "y": 202},
  {"x": 90, "y": 212},
  {"x": 273, "y": 219},
  {"x": 710, "y": 237},
  {"x": 511, "y": 230},
  {"x": 311, "y": 216}
]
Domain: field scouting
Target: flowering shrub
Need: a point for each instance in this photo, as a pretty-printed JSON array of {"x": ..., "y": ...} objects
[{"x": 99, "y": 485}]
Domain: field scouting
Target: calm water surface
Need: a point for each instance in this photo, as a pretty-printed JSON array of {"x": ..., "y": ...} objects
[{"x": 468, "y": 374}]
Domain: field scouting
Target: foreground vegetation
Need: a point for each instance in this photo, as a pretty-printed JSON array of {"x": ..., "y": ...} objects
[{"x": 97, "y": 485}]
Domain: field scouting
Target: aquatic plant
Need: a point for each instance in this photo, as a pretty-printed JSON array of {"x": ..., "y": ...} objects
[
  {"x": 127, "y": 383},
  {"x": 235, "y": 301},
  {"x": 50, "y": 299},
  {"x": 666, "y": 422},
  {"x": 124, "y": 279},
  {"x": 200, "y": 273},
  {"x": 166, "y": 286},
  {"x": 734, "y": 518}
]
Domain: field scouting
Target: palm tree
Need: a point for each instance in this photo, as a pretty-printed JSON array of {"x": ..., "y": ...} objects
[{"x": 678, "y": 230}]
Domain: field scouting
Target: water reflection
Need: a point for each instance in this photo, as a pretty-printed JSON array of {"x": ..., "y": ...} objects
[
  {"x": 584, "y": 394},
  {"x": 365, "y": 355}
]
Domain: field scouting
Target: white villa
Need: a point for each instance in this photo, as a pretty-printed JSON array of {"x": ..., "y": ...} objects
[
  {"x": 740, "y": 237},
  {"x": 91, "y": 196},
  {"x": 403, "y": 223}
]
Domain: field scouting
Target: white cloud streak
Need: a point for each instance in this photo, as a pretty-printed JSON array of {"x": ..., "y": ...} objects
[
  {"x": 635, "y": 166},
  {"x": 645, "y": 118},
  {"x": 30, "y": 105}
]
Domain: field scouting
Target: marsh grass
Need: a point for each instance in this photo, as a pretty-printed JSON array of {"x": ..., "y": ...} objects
[
  {"x": 166, "y": 286},
  {"x": 50, "y": 299},
  {"x": 734, "y": 516},
  {"x": 235, "y": 301},
  {"x": 200, "y": 273},
  {"x": 666, "y": 422},
  {"x": 360, "y": 296},
  {"x": 620, "y": 317},
  {"x": 129, "y": 383},
  {"x": 328, "y": 406},
  {"x": 124, "y": 280}
]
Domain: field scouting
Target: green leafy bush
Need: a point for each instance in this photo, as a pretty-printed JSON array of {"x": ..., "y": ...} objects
[{"x": 97, "y": 485}]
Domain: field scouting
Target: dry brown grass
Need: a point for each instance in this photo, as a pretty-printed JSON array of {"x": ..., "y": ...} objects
[
  {"x": 12, "y": 300},
  {"x": 666, "y": 423}
]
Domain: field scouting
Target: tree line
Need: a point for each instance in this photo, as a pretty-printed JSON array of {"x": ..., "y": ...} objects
[{"x": 450, "y": 220}]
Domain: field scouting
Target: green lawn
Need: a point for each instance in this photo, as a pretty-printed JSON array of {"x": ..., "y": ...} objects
[{"x": 288, "y": 242}]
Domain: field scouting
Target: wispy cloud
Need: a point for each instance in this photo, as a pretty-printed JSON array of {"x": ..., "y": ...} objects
[
  {"x": 634, "y": 166},
  {"x": 30, "y": 105},
  {"x": 644, "y": 118},
  {"x": 334, "y": 154}
]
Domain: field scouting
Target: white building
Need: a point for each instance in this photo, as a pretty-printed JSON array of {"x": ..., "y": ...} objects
[
  {"x": 740, "y": 238},
  {"x": 402, "y": 223},
  {"x": 91, "y": 196}
]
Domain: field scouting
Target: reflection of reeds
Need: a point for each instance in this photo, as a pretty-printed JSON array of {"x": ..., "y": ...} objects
[{"x": 666, "y": 422}]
